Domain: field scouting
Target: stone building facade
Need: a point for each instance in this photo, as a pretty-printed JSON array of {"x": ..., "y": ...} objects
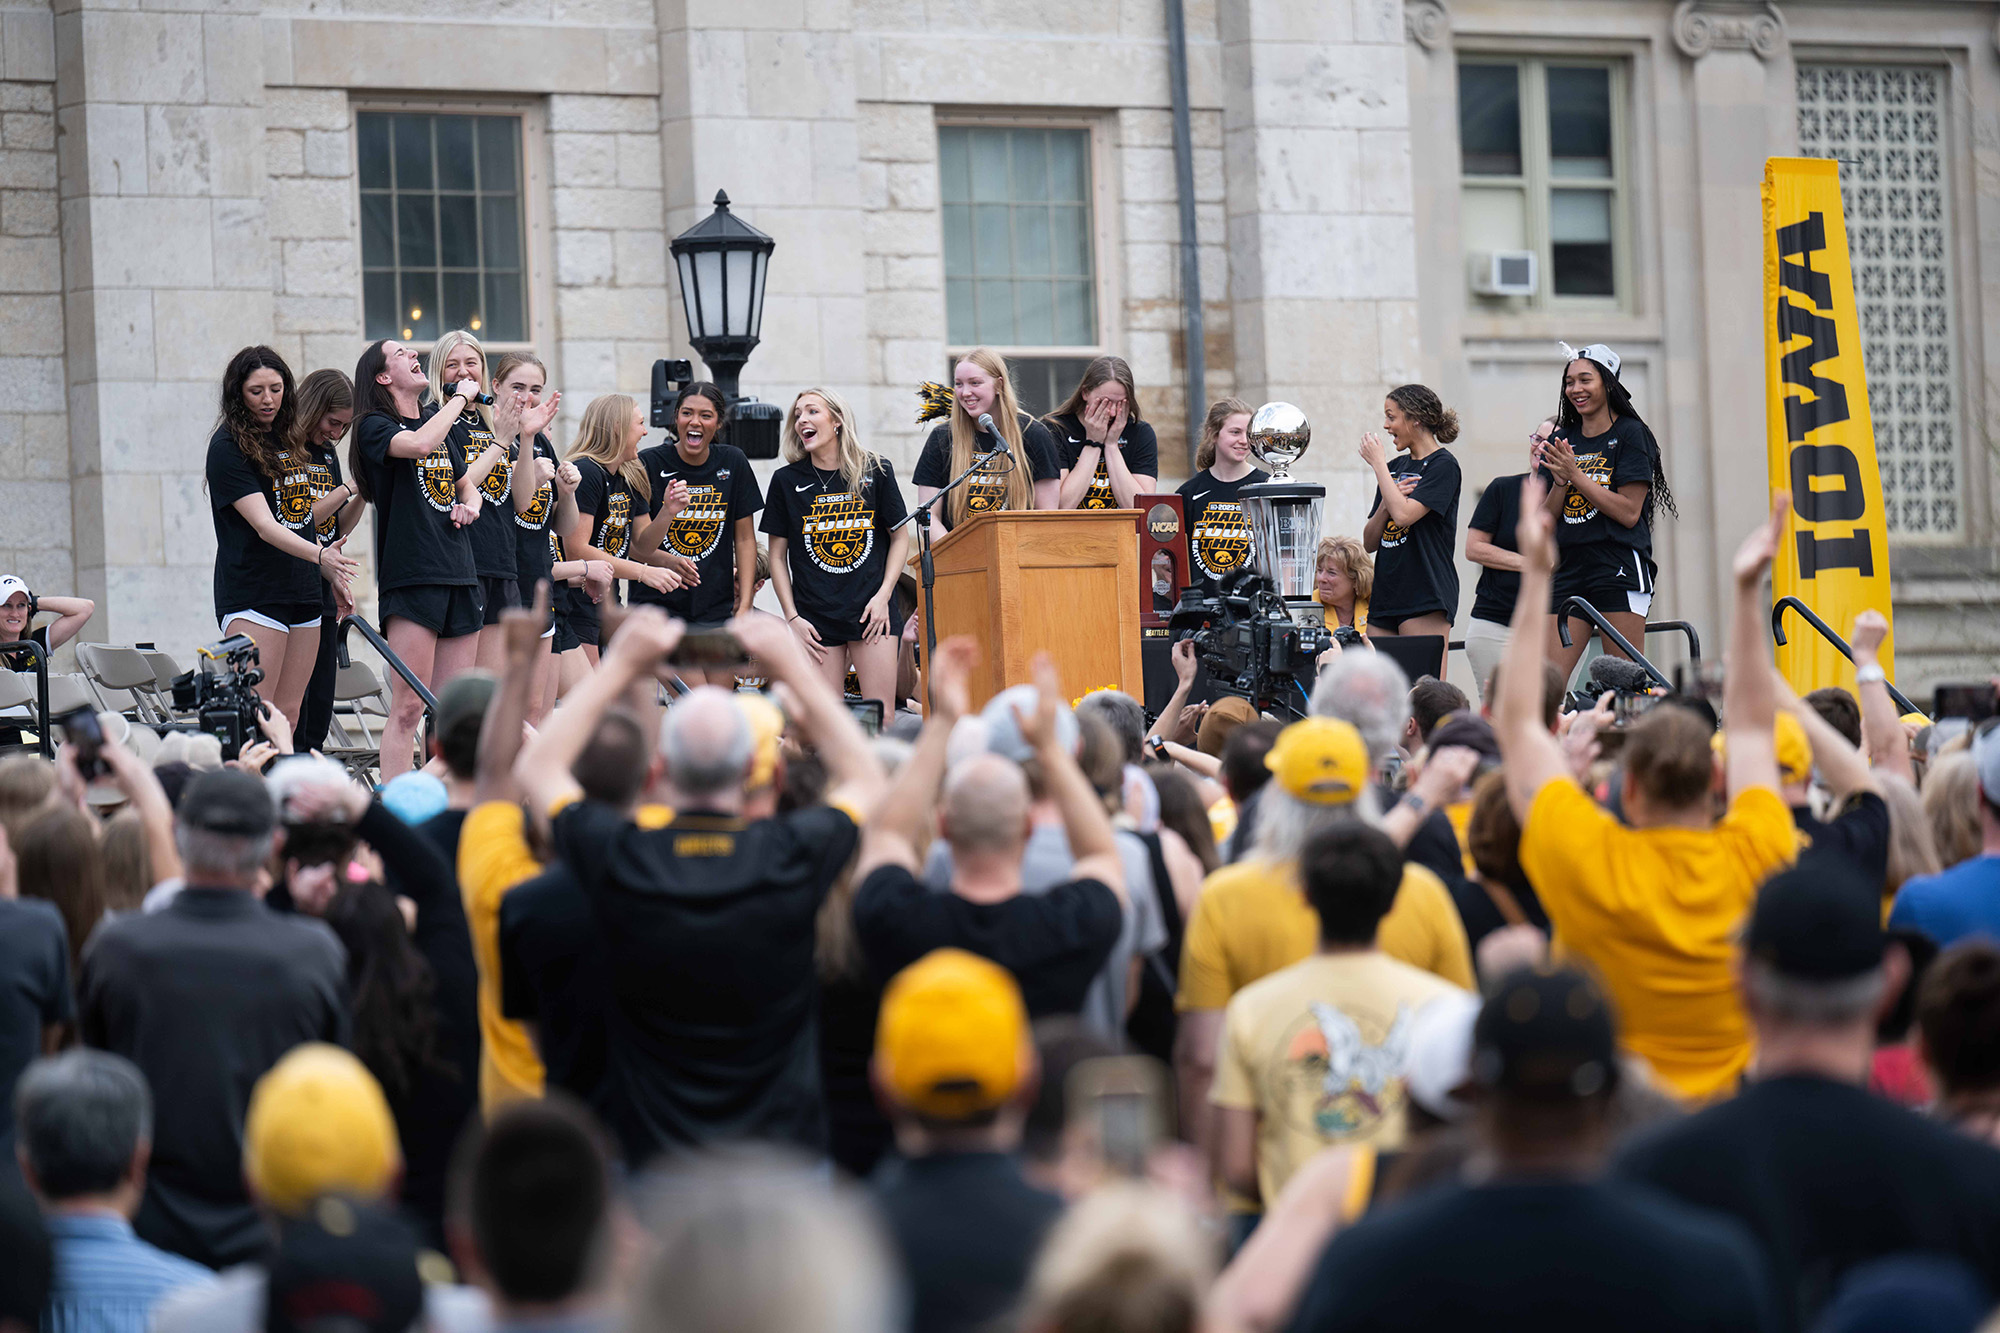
[{"x": 181, "y": 177}]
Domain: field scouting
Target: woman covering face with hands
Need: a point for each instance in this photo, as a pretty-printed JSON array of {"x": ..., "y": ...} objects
[{"x": 1109, "y": 453}]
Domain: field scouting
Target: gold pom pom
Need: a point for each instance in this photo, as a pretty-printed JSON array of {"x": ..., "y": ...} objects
[{"x": 936, "y": 400}]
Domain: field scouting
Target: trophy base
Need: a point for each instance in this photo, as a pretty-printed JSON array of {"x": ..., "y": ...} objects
[{"x": 1283, "y": 488}]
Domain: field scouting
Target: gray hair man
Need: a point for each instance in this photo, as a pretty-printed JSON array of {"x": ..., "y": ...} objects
[{"x": 85, "y": 1131}]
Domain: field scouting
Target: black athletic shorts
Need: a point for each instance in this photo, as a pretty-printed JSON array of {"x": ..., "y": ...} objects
[
  {"x": 277, "y": 615},
  {"x": 450, "y": 611},
  {"x": 565, "y": 637},
  {"x": 497, "y": 595},
  {"x": 833, "y": 632}
]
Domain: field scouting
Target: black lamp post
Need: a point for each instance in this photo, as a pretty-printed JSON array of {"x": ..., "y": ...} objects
[{"x": 722, "y": 261}]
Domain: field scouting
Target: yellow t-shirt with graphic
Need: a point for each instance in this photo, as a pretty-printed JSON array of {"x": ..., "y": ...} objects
[
  {"x": 1655, "y": 913},
  {"x": 1318, "y": 1050},
  {"x": 1253, "y": 919}
]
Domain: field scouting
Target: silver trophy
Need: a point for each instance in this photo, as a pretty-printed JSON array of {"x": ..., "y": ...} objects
[{"x": 1283, "y": 514}]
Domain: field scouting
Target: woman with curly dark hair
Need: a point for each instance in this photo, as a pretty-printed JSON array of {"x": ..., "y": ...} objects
[
  {"x": 268, "y": 558},
  {"x": 1413, "y": 524},
  {"x": 1602, "y": 467}
]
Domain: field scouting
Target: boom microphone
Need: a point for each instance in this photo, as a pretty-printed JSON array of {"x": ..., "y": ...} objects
[{"x": 1615, "y": 673}]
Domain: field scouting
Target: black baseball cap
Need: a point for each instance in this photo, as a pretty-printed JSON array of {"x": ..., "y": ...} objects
[
  {"x": 1546, "y": 1032},
  {"x": 1468, "y": 729},
  {"x": 1817, "y": 921},
  {"x": 345, "y": 1266},
  {"x": 228, "y": 801}
]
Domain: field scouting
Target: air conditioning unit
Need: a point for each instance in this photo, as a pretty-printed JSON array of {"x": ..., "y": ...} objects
[{"x": 1503, "y": 272}]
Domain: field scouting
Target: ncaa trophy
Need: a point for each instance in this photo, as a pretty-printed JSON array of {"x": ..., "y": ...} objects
[{"x": 1284, "y": 514}]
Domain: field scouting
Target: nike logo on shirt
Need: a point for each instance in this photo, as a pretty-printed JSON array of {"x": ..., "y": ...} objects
[
  {"x": 802, "y": 489},
  {"x": 1197, "y": 495}
]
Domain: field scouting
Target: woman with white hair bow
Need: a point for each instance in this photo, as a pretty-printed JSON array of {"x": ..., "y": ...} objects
[{"x": 1602, "y": 467}]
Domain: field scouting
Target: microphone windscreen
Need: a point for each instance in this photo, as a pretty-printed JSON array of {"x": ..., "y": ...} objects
[
  {"x": 986, "y": 423},
  {"x": 1615, "y": 673}
]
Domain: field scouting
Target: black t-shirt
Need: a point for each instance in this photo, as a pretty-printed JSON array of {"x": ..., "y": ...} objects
[
  {"x": 552, "y": 974},
  {"x": 1857, "y": 835},
  {"x": 1219, "y": 540},
  {"x": 205, "y": 996},
  {"x": 1481, "y": 916},
  {"x": 533, "y": 533},
  {"x": 34, "y": 993},
  {"x": 1141, "y": 449},
  {"x": 721, "y": 490},
  {"x": 1498, "y": 515},
  {"x": 1828, "y": 1176},
  {"x": 1053, "y": 942},
  {"x": 1622, "y": 455},
  {"x": 707, "y": 926},
  {"x": 986, "y": 490},
  {"x": 415, "y": 542},
  {"x": 1414, "y": 573},
  {"x": 249, "y": 571},
  {"x": 836, "y": 540},
  {"x": 1535, "y": 1257},
  {"x": 606, "y": 497},
  {"x": 968, "y": 1226},
  {"x": 323, "y": 477},
  {"x": 492, "y": 533}
]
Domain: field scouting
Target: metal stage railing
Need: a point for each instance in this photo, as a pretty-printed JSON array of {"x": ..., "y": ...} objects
[
  {"x": 1811, "y": 617},
  {"x": 38, "y": 657}
]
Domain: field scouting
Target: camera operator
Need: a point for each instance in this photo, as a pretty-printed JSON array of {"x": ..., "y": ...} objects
[{"x": 322, "y": 815}]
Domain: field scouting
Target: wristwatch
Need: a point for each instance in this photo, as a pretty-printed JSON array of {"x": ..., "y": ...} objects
[
  {"x": 1872, "y": 674},
  {"x": 1158, "y": 745}
]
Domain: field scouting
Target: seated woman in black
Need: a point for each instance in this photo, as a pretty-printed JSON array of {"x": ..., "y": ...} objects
[
  {"x": 1109, "y": 453},
  {"x": 1023, "y": 471},
  {"x": 834, "y": 561},
  {"x": 407, "y": 461},
  {"x": 268, "y": 559},
  {"x": 1413, "y": 523},
  {"x": 611, "y": 499},
  {"x": 325, "y": 411},
  {"x": 1602, "y": 467}
]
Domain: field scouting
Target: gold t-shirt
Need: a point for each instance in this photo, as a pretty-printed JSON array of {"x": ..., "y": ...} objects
[
  {"x": 1655, "y": 913},
  {"x": 1318, "y": 1050},
  {"x": 1252, "y": 919}
]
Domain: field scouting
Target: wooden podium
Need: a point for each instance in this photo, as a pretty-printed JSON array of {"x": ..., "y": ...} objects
[{"x": 1059, "y": 581}]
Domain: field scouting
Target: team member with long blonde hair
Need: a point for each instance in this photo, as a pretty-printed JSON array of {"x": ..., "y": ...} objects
[
  {"x": 268, "y": 561},
  {"x": 458, "y": 358},
  {"x": 325, "y": 411},
  {"x": 611, "y": 496},
  {"x": 836, "y": 550},
  {"x": 1030, "y": 475}
]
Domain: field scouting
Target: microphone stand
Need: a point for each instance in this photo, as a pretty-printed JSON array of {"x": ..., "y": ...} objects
[{"x": 921, "y": 516}]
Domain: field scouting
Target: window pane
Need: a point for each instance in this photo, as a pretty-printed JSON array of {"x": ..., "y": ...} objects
[
  {"x": 1031, "y": 240},
  {"x": 499, "y": 140},
  {"x": 416, "y": 237},
  {"x": 461, "y": 302},
  {"x": 1580, "y": 242},
  {"x": 378, "y": 234},
  {"x": 1069, "y": 241},
  {"x": 961, "y": 322},
  {"x": 992, "y": 251},
  {"x": 1069, "y": 165},
  {"x": 1489, "y": 119},
  {"x": 996, "y": 311},
  {"x": 506, "y": 309},
  {"x": 371, "y": 132},
  {"x": 958, "y": 238},
  {"x": 378, "y": 306},
  {"x": 501, "y": 241},
  {"x": 419, "y": 311},
  {"x": 413, "y": 152},
  {"x": 1042, "y": 382},
  {"x": 989, "y": 165},
  {"x": 1031, "y": 167},
  {"x": 1579, "y": 122},
  {"x": 454, "y": 152},
  {"x": 1034, "y": 314},
  {"x": 954, "y": 166},
  {"x": 458, "y": 230},
  {"x": 1494, "y": 218},
  {"x": 1076, "y": 321}
]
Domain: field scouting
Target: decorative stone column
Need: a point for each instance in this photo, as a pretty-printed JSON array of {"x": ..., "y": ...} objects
[
  {"x": 1322, "y": 253},
  {"x": 1742, "y": 97},
  {"x": 166, "y": 273}
]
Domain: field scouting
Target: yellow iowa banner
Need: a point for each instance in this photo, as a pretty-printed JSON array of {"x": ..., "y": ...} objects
[{"x": 1822, "y": 440}]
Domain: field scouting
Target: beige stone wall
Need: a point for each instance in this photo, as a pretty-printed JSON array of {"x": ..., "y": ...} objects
[{"x": 36, "y": 538}]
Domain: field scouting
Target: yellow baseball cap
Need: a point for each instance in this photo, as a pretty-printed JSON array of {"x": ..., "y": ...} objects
[
  {"x": 767, "y": 729},
  {"x": 318, "y": 1124},
  {"x": 1794, "y": 750},
  {"x": 952, "y": 1038},
  {"x": 1321, "y": 760}
]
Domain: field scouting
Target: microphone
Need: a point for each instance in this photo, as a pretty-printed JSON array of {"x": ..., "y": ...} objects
[{"x": 986, "y": 424}]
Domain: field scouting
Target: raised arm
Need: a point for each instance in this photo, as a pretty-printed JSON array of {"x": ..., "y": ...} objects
[
  {"x": 855, "y": 780},
  {"x": 1843, "y": 768},
  {"x": 1881, "y": 725},
  {"x": 1396, "y": 504},
  {"x": 1530, "y": 755},
  {"x": 646, "y": 635},
  {"x": 71, "y": 614},
  {"x": 416, "y": 443},
  {"x": 892, "y": 832},
  {"x": 1091, "y": 838},
  {"x": 500, "y": 734},
  {"x": 1749, "y": 698}
]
